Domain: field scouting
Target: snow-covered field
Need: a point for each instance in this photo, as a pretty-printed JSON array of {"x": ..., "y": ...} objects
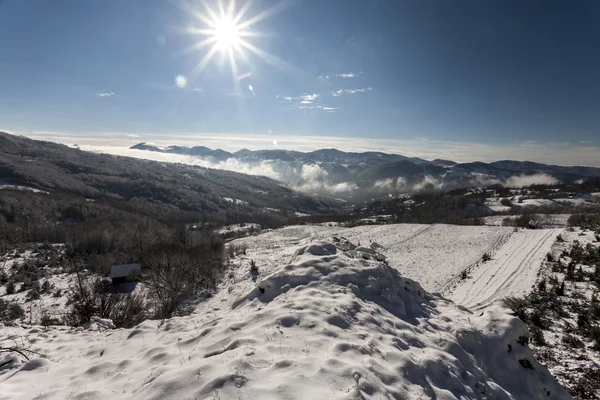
[
  {"x": 429, "y": 254},
  {"x": 323, "y": 326},
  {"x": 318, "y": 324},
  {"x": 512, "y": 271}
]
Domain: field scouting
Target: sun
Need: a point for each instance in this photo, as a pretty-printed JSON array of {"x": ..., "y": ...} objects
[
  {"x": 225, "y": 29},
  {"x": 227, "y": 34}
]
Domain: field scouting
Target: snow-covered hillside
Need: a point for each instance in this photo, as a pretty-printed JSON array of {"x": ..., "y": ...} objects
[{"x": 323, "y": 325}]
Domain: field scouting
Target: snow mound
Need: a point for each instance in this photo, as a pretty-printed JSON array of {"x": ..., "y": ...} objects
[
  {"x": 98, "y": 324},
  {"x": 415, "y": 344},
  {"x": 326, "y": 326},
  {"x": 319, "y": 267}
]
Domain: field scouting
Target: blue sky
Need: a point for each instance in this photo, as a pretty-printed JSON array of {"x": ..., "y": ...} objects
[{"x": 492, "y": 73}]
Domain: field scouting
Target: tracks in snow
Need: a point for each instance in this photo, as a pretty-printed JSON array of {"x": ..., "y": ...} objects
[{"x": 513, "y": 270}]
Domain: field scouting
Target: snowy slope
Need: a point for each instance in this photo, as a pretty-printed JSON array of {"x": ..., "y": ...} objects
[
  {"x": 512, "y": 271},
  {"x": 326, "y": 326}
]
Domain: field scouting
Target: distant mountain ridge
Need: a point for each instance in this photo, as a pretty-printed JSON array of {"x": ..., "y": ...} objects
[
  {"x": 322, "y": 155},
  {"x": 334, "y": 170}
]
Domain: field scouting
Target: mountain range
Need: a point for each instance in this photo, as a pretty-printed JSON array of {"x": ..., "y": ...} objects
[{"x": 351, "y": 174}]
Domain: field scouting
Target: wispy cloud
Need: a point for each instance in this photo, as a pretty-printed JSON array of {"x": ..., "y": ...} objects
[
  {"x": 345, "y": 75},
  {"x": 309, "y": 101},
  {"x": 350, "y": 91},
  {"x": 131, "y": 135},
  {"x": 329, "y": 109},
  {"x": 308, "y": 98},
  {"x": 105, "y": 94}
]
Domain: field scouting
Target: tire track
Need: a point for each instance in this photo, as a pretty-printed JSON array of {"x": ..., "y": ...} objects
[
  {"x": 512, "y": 272},
  {"x": 451, "y": 284},
  {"x": 493, "y": 274}
]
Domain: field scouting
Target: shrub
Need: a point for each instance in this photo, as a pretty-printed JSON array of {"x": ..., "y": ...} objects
[
  {"x": 46, "y": 287},
  {"x": 541, "y": 286},
  {"x": 583, "y": 323},
  {"x": 550, "y": 257},
  {"x": 580, "y": 275},
  {"x": 538, "y": 318},
  {"x": 570, "y": 274},
  {"x": 10, "y": 311},
  {"x": 594, "y": 334},
  {"x": 97, "y": 297},
  {"x": 588, "y": 384},
  {"x": 235, "y": 249},
  {"x": 486, "y": 257},
  {"x": 10, "y": 288},
  {"x": 572, "y": 341},
  {"x": 34, "y": 292},
  {"x": 173, "y": 274},
  {"x": 253, "y": 269},
  {"x": 518, "y": 305},
  {"x": 464, "y": 274},
  {"x": 506, "y": 202},
  {"x": 47, "y": 320},
  {"x": 537, "y": 336},
  {"x": 560, "y": 238}
]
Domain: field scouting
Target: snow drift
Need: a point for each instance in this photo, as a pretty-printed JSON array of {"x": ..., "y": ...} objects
[{"x": 327, "y": 326}]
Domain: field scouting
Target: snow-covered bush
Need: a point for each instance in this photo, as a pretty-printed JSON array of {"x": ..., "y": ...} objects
[
  {"x": 173, "y": 274},
  {"x": 97, "y": 297}
]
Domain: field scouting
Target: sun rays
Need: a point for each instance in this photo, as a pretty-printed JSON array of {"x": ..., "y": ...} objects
[{"x": 225, "y": 30}]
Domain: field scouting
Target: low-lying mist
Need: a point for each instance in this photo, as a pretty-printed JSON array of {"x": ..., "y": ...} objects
[{"x": 314, "y": 179}]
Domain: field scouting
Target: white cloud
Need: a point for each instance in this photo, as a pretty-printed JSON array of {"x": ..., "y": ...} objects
[
  {"x": 329, "y": 109},
  {"x": 528, "y": 180},
  {"x": 306, "y": 102},
  {"x": 308, "y": 98},
  {"x": 106, "y": 94},
  {"x": 350, "y": 91},
  {"x": 346, "y": 75},
  {"x": 390, "y": 184},
  {"x": 312, "y": 172},
  {"x": 131, "y": 135}
]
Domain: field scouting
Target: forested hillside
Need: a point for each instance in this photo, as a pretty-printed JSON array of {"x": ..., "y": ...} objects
[{"x": 161, "y": 188}]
